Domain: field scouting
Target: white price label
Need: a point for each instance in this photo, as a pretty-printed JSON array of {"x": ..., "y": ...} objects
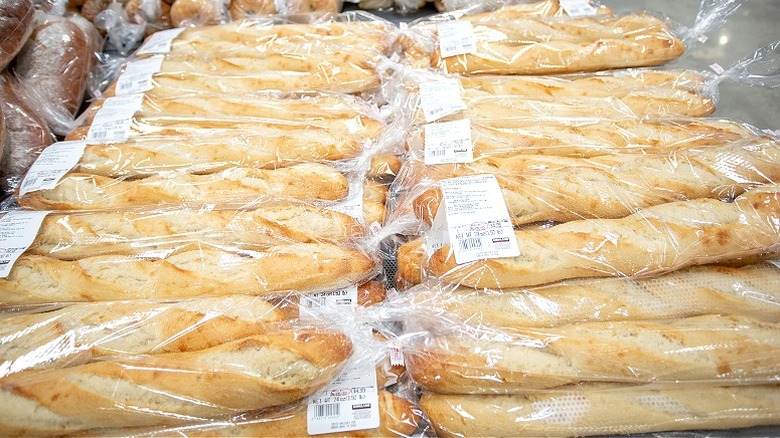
[
  {"x": 456, "y": 38},
  {"x": 159, "y": 42},
  {"x": 440, "y": 98},
  {"x": 578, "y": 8},
  {"x": 113, "y": 121},
  {"x": 53, "y": 163},
  {"x": 342, "y": 300},
  {"x": 17, "y": 232},
  {"x": 353, "y": 205},
  {"x": 138, "y": 74},
  {"x": 448, "y": 142},
  {"x": 477, "y": 219},
  {"x": 351, "y": 402}
]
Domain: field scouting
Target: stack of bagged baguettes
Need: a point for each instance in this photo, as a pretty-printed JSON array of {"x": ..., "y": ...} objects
[
  {"x": 174, "y": 261},
  {"x": 643, "y": 298},
  {"x": 162, "y": 293}
]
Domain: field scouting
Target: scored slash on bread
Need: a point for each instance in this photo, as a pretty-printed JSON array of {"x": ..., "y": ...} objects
[
  {"x": 254, "y": 372},
  {"x": 709, "y": 348},
  {"x": 76, "y": 191},
  {"x": 607, "y": 411},
  {"x": 193, "y": 271}
]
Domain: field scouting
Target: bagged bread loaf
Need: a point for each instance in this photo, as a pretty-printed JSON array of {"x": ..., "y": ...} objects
[
  {"x": 589, "y": 137},
  {"x": 76, "y": 191},
  {"x": 535, "y": 46},
  {"x": 619, "y": 410},
  {"x": 192, "y": 270},
  {"x": 747, "y": 291},
  {"x": 254, "y": 372},
  {"x": 71, "y": 236},
  {"x": 185, "y": 13},
  {"x": 86, "y": 332},
  {"x": 54, "y": 66},
  {"x": 545, "y": 188},
  {"x": 654, "y": 240},
  {"x": 16, "y": 24},
  {"x": 709, "y": 348},
  {"x": 26, "y": 133},
  {"x": 397, "y": 417}
]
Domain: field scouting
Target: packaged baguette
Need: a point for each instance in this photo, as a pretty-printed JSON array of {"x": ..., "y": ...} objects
[
  {"x": 542, "y": 45},
  {"x": 616, "y": 410},
  {"x": 653, "y": 240},
  {"x": 180, "y": 253},
  {"x": 253, "y": 372},
  {"x": 745, "y": 291},
  {"x": 715, "y": 349},
  {"x": 261, "y": 54},
  {"x": 538, "y": 188},
  {"x": 590, "y": 137}
]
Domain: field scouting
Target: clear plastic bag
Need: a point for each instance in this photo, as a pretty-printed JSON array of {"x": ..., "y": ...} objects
[
  {"x": 259, "y": 249},
  {"x": 53, "y": 67},
  {"x": 17, "y": 23},
  {"x": 619, "y": 410},
  {"x": 560, "y": 45},
  {"x": 653, "y": 240},
  {"x": 26, "y": 133}
]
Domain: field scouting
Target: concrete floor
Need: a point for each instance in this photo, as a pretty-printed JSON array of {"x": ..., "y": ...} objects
[{"x": 755, "y": 24}]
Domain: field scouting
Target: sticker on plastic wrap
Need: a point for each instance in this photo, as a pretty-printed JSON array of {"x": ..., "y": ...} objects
[
  {"x": 51, "y": 165},
  {"x": 351, "y": 402},
  {"x": 478, "y": 222},
  {"x": 17, "y": 232},
  {"x": 113, "y": 121},
  {"x": 578, "y": 8},
  {"x": 448, "y": 142},
  {"x": 335, "y": 300},
  {"x": 440, "y": 99},
  {"x": 138, "y": 74},
  {"x": 456, "y": 38},
  {"x": 353, "y": 205},
  {"x": 159, "y": 42}
]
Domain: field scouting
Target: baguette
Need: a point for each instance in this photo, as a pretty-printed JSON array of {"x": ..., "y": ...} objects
[
  {"x": 592, "y": 137},
  {"x": 320, "y": 107},
  {"x": 542, "y": 188},
  {"x": 625, "y": 410},
  {"x": 77, "y": 191},
  {"x": 189, "y": 273},
  {"x": 726, "y": 349},
  {"x": 69, "y": 236},
  {"x": 642, "y": 103},
  {"x": 410, "y": 257},
  {"x": 532, "y": 46},
  {"x": 602, "y": 84},
  {"x": 209, "y": 153},
  {"x": 167, "y": 389},
  {"x": 258, "y": 33},
  {"x": 374, "y": 198},
  {"x": 658, "y": 239},
  {"x": 397, "y": 417},
  {"x": 234, "y": 77},
  {"x": 85, "y": 332},
  {"x": 748, "y": 291}
]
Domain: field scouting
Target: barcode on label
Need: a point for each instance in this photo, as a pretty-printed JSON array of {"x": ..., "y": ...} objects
[
  {"x": 99, "y": 135},
  {"x": 312, "y": 302},
  {"x": 438, "y": 152},
  {"x": 327, "y": 410},
  {"x": 471, "y": 243}
]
